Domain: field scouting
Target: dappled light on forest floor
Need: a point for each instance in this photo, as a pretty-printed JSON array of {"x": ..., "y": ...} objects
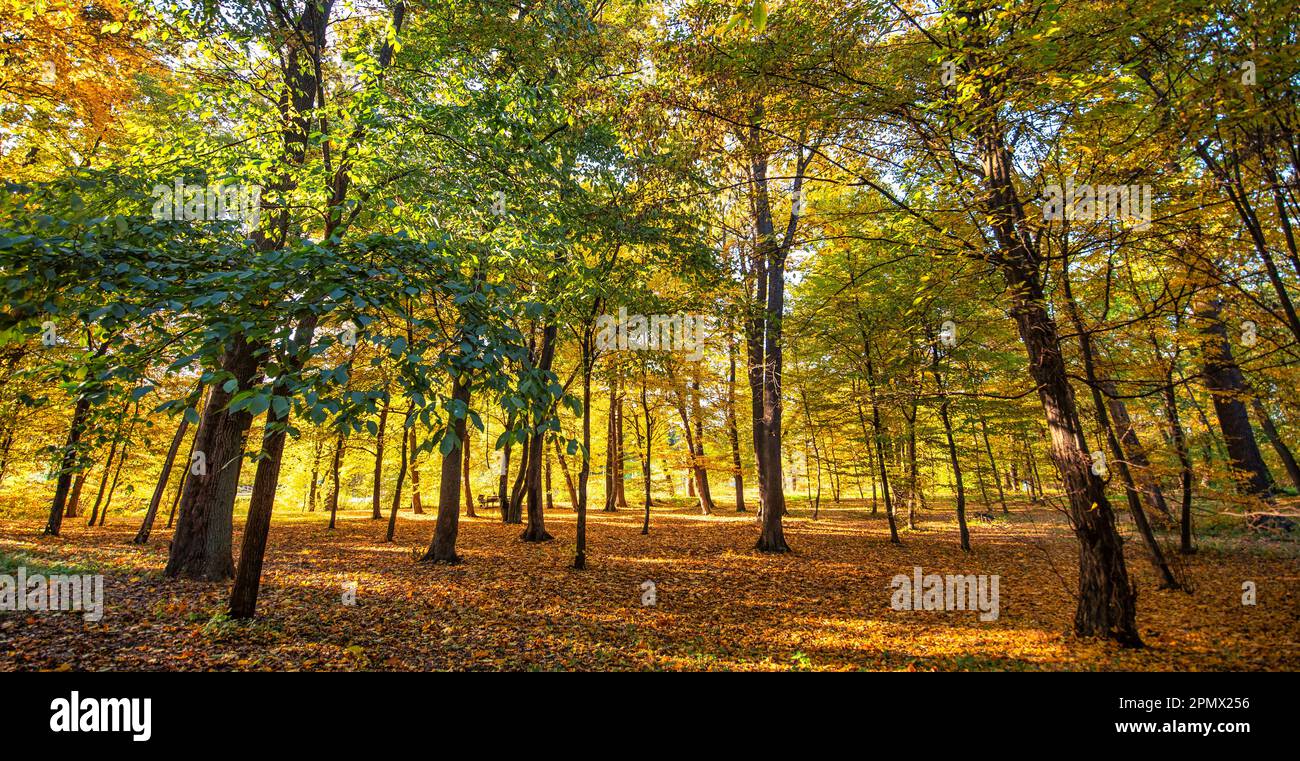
[{"x": 719, "y": 604}]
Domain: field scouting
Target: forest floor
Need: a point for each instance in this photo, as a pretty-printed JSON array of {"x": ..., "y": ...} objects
[{"x": 720, "y": 604}]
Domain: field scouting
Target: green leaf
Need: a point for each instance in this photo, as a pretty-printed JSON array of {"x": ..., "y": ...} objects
[{"x": 760, "y": 16}]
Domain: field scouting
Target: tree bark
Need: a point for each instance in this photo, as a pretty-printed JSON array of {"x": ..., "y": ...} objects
[
  {"x": 1228, "y": 390},
  {"x": 733, "y": 434},
  {"x": 80, "y": 412},
  {"x": 417, "y": 505},
  {"x": 401, "y": 474},
  {"x": 376, "y": 513},
  {"x": 201, "y": 546},
  {"x": 1275, "y": 439},
  {"x": 146, "y": 526},
  {"x": 536, "y": 529},
  {"x": 443, "y": 547}
]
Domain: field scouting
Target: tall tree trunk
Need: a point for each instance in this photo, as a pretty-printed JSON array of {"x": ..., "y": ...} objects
[
  {"x": 261, "y": 505},
  {"x": 620, "y": 481},
  {"x": 146, "y": 526},
  {"x": 1184, "y": 464},
  {"x": 257, "y": 529},
  {"x": 584, "y": 470},
  {"x": 417, "y": 505},
  {"x": 993, "y": 464},
  {"x": 1275, "y": 439},
  {"x": 335, "y": 466},
  {"x": 880, "y": 444},
  {"x": 401, "y": 473},
  {"x": 733, "y": 435},
  {"x": 645, "y": 460},
  {"x": 180, "y": 489},
  {"x": 503, "y": 482},
  {"x": 201, "y": 546},
  {"x": 375, "y": 512},
  {"x": 868, "y": 443},
  {"x": 701, "y": 467},
  {"x": 443, "y": 547},
  {"x": 546, "y": 479},
  {"x": 953, "y": 460},
  {"x": 4, "y": 452},
  {"x": 682, "y": 395},
  {"x": 467, "y": 454},
  {"x": 913, "y": 484},
  {"x": 314, "y": 487},
  {"x": 979, "y": 479},
  {"x": 1228, "y": 389},
  {"x": 1107, "y": 601},
  {"x": 108, "y": 472},
  {"x": 1136, "y": 454},
  {"x": 612, "y": 447},
  {"x": 536, "y": 530},
  {"x": 1167, "y": 580}
]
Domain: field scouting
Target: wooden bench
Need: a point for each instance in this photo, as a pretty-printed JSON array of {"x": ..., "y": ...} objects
[{"x": 485, "y": 500}]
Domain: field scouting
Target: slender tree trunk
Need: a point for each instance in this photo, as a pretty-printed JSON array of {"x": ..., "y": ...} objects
[
  {"x": 1227, "y": 388},
  {"x": 568, "y": 477},
  {"x": 103, "y": 479},
  {"x": 1275, "y": 439},
  {"x": 993, "y": 464},
  {"x": 1136, "y": 454},
  {"x": 701, "y": 469},
  {"x": 503, "y": 482},
  {"x": 913, "y": 484},
  {"x": 1107, "y": 601},
  {"x": 546, "y": 479},
  {"x": 620, "y": 482},
  {"x": 979, "y": 478},
  {"x": 880, "y": 444},
  {"x": 645, "y": 460},
  {"x": 261, "y": 505},
  {"x": 1184, "y": 464},
  {"x": 335, "y": 467},
  {"x": 733, "y": 434},
  {"x": 257, "y": 529},
  {"x": 694, "y": 448},
  {"x": 401, "y": 474},
  {"x": 868, "y": 443},
  {"x": 584, "y": 470},
  {"x": 180, "y": 489},
  {"x": 953, "y": 460},
  {"x": 1104, "y": 424},
  {"x": 516, "y": 512},
  {"x": 315, "y": 475},
  {"x": 146, "y": 526},
  {"x": 117, "y": 474},
  {"x": 376, "y": 513},
  {"x": 4, "y": 452},
  {"x": 612, "y": 447},
  {"x": 467, "y": 454},
  {"x": 417, "y": 505}
]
